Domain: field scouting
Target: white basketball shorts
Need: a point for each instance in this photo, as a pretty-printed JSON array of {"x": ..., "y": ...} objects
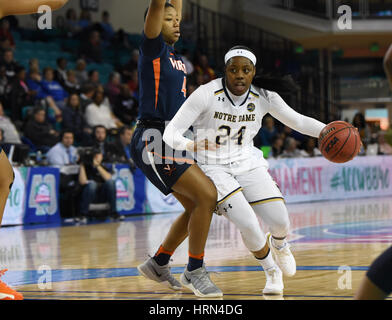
[{"x": 250, "y": 176}]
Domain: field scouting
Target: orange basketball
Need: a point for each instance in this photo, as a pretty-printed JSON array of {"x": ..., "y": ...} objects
[{"x": 339, "y": 142}]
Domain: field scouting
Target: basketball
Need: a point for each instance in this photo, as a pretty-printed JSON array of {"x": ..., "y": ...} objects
[{"x": 339, "y": 142}]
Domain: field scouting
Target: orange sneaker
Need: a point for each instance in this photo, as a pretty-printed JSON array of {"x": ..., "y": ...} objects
[{"x": 6, "y": 293}]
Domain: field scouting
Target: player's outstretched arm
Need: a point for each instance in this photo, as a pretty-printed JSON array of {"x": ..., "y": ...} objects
[
  {"x": 11, "y": 7},
  {"x": 281, "y": 111},
  {"x": 154, "y": 19},
  {"x": 388, "y": 65}
]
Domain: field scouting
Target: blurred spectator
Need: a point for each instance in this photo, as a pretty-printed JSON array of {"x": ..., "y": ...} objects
[
  {"x": 39, "y": 131},
  {"x": 99, "y": 141},
  {"x": 277, "y": 147},
  {"x": 81, "y": 72},
  {"x": 10, "y": 64},
  {"x": 14, "y": 23},
  {"x": 130, "y": 66},
  {"x": 299, "y": 137},
  {"x": 203, "y": 68},
  {"x": 107, "y": 27},
  {"x": 120, "y": 40},
  {"x": 384, "y": 147},
  {"x": 91, "y": 50},
  {"x": 71, "y": 22},
  {"x": 34, "y": 64},
  {"x": 364, "y": 131},
  {"x": 187, "y": 59},
  {"x": 191, "y": 87},
  {"x": 113, "y": 87},
  {"x": 199, "y": 79},
  {"x": 121, "y": 148},
  {"x": 63, "y": 153},
  {"x": 10, "y": 133},
  {"x": 20, "y": 94},
  {"x": 388, "y": 135},
  {"x": 52, "y": 88},
  {"x": 1, "y": 136},
  {"x": 93, "y": 78},
  {"x": 133, "y": 84},
  {"x": 290, "y": 149},
  {"x": 34, "y": 83},
  {"x": 4, "y": 85},
  {"x": 85, "y": 19},
  {"x": 86, "y": 96},
  {"x": 267, "y": 131},
  {"x": 126, "y": 106},
  {"x": 73, "y": 119},
  {"x": 99, "y": 113},
  {"x": 5, "y": 33},
  {"x": 71, "y": 85},
  {"x": 55, "y": 114},
  {"x": 97, "y": 183},
  {"x": 310, "y": 148},
  {"x": 60, "y": 74}
]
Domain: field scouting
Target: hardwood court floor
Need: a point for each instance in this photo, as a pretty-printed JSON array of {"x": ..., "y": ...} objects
[{"x": 333, "y": 243}]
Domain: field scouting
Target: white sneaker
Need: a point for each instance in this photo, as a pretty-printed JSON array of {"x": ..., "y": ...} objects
[
  {"x": 274, "y": 283},
  {"x": 283, "y": 257}
]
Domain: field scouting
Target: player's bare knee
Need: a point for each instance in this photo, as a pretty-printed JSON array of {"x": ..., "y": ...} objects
[
  {"x": 207, "y": 198},
  {"x": 7, "y": 177}
]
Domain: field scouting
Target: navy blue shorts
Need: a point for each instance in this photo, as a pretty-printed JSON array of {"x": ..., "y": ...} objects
[
  {"x": 160, "y": 164},
  {"x": 380, "y": 271}
]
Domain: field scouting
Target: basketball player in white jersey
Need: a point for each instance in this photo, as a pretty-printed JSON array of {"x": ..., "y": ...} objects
[{"x": 226, "y": 114}]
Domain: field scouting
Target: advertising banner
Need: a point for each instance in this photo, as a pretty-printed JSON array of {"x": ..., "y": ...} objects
[
  {"x": 315, "y": 179},
  {"x": 157, "y": 202},
  {"x": 42, "y": 190},
  {"x": 130, "y": 190},
  {"x": 15, "y": 206}
]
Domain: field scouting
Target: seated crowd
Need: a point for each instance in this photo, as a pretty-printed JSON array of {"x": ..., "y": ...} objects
[{"x": 57, "y": 110}]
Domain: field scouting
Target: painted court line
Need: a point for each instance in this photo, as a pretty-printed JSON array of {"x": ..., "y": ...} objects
[{"x": 18, "y": 278}]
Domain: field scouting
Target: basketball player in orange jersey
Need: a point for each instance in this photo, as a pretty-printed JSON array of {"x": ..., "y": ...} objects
[
  {"x": 15, "y": 7},
  {"x": 162, "y": 91}
]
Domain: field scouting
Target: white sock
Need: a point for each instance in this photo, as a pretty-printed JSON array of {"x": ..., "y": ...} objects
[
  {"x": 278, "y": 244},
  {"x": 268, "y": 262}
]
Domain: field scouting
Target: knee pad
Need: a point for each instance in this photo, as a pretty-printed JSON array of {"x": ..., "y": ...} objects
[{"x": 275, "y": 215}]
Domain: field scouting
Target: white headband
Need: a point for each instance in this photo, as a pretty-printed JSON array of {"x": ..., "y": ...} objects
[{"x": 241, "y": 53}]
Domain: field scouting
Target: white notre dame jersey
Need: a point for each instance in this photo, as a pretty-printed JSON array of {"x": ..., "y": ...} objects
[
  {"x": 231, "y": 124},
  {"x": 231, "y": 121}
]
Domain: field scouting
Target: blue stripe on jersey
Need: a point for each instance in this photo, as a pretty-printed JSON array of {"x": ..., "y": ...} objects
[{"x": 162, "y": 80}]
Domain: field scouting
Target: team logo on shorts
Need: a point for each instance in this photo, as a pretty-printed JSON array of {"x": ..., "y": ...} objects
[
  {"x": 251, "y": 107},
  {"x": 169, "y": 169}
]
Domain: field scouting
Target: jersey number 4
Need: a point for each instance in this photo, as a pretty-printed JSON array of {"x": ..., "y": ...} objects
[{"x": 222, "y": 139}]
